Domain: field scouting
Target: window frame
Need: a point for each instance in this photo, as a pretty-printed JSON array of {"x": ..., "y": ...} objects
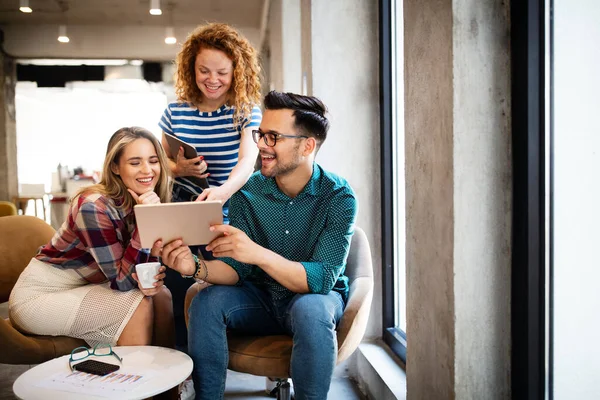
[
  {"x": 395, "y": 338},
  {"x": 528, "y": 305}
]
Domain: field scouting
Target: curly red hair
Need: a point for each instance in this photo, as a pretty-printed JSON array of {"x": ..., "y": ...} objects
[{"x": 245, "y": 88}]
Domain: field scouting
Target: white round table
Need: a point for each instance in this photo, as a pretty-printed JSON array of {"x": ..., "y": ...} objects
[{"x": 165, "y": 368}]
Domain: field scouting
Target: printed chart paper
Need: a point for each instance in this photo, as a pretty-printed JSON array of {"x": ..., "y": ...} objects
[{"x": 112, "y": 385}]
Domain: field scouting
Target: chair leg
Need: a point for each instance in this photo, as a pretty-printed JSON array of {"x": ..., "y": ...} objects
[
  {"x": 283, "y": 390},
  {"x": 280, "y": 388}
]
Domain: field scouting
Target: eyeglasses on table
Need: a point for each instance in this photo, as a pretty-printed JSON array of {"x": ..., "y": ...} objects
[{"x": 99, "y": 350}]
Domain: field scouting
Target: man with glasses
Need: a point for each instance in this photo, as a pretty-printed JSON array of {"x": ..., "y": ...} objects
[{"x": 283, "y": 255}]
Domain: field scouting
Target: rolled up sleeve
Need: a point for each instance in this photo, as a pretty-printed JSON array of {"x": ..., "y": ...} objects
[{"x": 329, "y": 257}]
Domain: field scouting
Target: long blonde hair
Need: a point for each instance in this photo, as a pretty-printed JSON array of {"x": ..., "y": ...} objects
[
  {"x": 245, "y": 86},
  {"x": 111, "y": 184}
]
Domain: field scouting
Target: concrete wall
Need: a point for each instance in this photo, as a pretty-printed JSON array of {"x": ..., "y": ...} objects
[
  {"x": 306, "y": 46},
  {"x": 275, "y": 46},
  {"x": 458, "y": 176},
  {"x": 482, "y": 198},
  {"x": 8, "y": 130},
  {"x": 285, "y": 46},
  {"x": 344, "y": 73},
  {"x": 429, "y": 201},
  {"x": 291, "y": 39},
  {"x": 129, "y": 42}
]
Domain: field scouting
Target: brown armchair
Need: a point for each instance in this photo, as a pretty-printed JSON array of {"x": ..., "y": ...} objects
[
  {"x": 20, "y": 237},
  {"x": 270, "y": 355}
]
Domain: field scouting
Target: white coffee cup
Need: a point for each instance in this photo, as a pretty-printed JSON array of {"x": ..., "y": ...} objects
[{"x": 146, "y": 273}]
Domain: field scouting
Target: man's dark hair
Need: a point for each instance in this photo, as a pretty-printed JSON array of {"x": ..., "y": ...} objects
[{"x": 309, "y": 113}]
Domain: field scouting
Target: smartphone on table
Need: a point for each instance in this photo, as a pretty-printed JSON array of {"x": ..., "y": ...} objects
[{"x": 96, "y": 367}]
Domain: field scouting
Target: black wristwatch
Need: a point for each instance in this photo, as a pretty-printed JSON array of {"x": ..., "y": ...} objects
[{"x": 197, "y": 262}]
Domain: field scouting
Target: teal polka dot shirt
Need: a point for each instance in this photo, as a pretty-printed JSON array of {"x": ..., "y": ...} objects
[{"x": 314, "y": 228}]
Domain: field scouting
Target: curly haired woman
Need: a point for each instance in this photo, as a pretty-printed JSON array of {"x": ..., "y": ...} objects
[{"x": 218, "y": 92}]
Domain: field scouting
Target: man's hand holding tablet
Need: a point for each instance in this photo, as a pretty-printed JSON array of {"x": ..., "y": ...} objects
[{"x": 177, "y": 256}]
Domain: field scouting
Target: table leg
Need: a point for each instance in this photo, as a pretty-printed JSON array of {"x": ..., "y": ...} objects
[
  {"x": 21, "y": 205},
  {"x": 44, "y": 208}
]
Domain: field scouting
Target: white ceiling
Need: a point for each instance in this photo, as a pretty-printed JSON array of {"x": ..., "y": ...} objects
[
  {"x": 239, "y": 13},
  {"x": 119, "y": 28}
]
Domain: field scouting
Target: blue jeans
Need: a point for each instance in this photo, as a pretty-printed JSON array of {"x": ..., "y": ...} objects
[{"x": 311, "y": 320}]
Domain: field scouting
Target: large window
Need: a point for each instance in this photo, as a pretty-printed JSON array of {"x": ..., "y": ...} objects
[
  {"x": 556, "y": 141},
  {"x": 392, "y": 156},
  {"x": 73, "y": 124},
  {"x": 574, "y": 171}
]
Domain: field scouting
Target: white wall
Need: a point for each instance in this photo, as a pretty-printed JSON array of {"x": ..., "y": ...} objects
[{"x": 576, "y": 198}]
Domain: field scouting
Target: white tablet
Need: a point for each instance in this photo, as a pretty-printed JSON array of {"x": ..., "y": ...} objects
[
  {"x": 189, "y": 221},
  {"x": 189, "y": 151}
]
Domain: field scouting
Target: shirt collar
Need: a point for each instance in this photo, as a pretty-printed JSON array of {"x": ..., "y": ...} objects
[
  {"x": 311, "y": 187},
  {"x": 123, "y": 212}
]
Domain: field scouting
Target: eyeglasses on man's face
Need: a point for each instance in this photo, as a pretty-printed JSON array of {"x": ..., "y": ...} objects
[
  {"x": 99, "y": 350},
  {"x": 271, "y": 138}
]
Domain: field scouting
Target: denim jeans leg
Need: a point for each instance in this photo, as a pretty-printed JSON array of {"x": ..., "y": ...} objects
[
  {"x": 311, "y": 320},
  {"x": 178, "y": 285},
  {"x": 213, "y": 311}
]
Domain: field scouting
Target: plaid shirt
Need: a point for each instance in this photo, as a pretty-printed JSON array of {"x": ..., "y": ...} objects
[{"x": 100, "y": 240}]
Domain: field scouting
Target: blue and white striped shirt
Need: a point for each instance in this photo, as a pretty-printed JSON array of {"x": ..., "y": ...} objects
[{"x": 213, "y": 136}]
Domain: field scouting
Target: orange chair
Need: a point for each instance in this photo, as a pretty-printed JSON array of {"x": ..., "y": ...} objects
[{"x": 270, "y": 355}]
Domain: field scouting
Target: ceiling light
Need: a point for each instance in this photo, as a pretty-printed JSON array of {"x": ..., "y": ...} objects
[
  {"x": 170, "y": 36},
  {"x": 62, "y": 61},
  {"x": 24, "y": 6},
  {"x": 62, "y": 34},
  {"x": 155, "y": 7}
]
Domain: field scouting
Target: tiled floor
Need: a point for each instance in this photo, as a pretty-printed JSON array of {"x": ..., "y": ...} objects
[{"x": 239, "y": 386}]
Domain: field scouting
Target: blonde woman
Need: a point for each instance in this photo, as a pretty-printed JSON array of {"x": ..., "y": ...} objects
[{"x": 82, "y": 284}]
